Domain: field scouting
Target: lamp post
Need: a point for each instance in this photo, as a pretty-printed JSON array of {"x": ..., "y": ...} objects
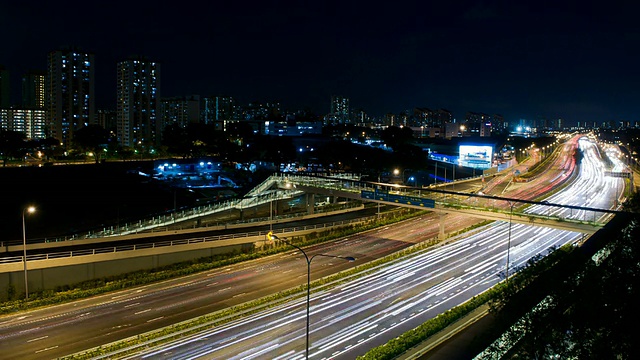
[
  {"x": 309, "y": 259},
  {"x": 410, "y": 177},
  {"x": 379, "y": 175},
  {"x": 511, "y": 204},
  {"x": 271, "y": 211},
  {"x": 30, "y": 210}
]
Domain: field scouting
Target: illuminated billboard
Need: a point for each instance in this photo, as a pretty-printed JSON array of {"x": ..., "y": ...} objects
[{"x": 476, "y": 156}]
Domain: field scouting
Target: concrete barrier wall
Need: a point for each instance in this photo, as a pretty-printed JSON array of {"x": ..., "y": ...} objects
[
  {"x": 53, "y": 274},
  {"x": 187, "y": 232},
  {"x": 50, "y": 274}
]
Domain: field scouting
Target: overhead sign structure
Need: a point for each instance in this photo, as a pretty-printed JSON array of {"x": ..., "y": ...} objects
[{"x": 397, "y": 198}]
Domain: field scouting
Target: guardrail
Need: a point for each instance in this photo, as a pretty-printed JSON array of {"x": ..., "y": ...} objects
[
  {"x": 196, "y": 240},
  {"x": 163, "y": 226},
  {"x": 168, "y": 218}
]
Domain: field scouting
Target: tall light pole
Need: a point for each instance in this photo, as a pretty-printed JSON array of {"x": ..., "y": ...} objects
[
  {"x": 403, "y": 171},
  {"x": 271, "y": 211},
  {"x": 30, "y": 210},
  {"x": 379, "y": 175},
  {"x": 511, "y": 204},
  {"x": 309, "y": 259}
]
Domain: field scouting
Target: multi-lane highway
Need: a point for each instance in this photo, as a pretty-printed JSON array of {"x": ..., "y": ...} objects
[
  {"x": 444, "y": 276},
  {"x": 352, "y": 318}
]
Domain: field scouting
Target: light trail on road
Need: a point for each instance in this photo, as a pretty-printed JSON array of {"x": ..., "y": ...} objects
[{"x": 354, "y": 317}]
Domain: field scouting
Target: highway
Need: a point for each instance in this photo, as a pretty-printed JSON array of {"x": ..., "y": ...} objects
[
  {"x": 65, "y": 329},
  {"x": 354, "y": 317}
]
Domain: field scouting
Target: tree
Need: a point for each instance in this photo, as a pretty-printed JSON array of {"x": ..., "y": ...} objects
[
  {"x": 591, "y": 308},
  {"x": 12, "y": 145},
  {"x": 395, "y": 136},
  {"x": 91, "y": 138},
  {"x": 175, "y": 138},
  {"x": 51, "y": 147}
]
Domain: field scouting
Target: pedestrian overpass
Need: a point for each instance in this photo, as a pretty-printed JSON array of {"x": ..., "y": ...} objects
[
  {"x": 573, "y": 218},
  {"x": 285, "y": 186}
]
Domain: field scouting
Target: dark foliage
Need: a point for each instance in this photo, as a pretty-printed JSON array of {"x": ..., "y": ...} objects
[{"x": 591, "y": 311}]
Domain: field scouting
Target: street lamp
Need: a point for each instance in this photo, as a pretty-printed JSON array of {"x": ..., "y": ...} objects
[
  {"x": 30, "y": 210},
  {"x": 379, "y": 180},
  {"x": 410, "y": 178},
  {"x": 309, "y": 259},
  {"x": 396, "y": 172},
  {"x": 511, "y": 204}
]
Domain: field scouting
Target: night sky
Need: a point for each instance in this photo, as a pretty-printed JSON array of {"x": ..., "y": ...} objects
[{"x": 525, "y": 60}]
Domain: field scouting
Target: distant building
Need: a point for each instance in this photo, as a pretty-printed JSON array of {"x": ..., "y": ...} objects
[
  {"x": 31, "y": 118},
  {"x": 180, "y": 110},
  {"x": 339, "y": 111},
  {"x": 32, "y": 122},
  {"x": 219, "y": 110},
  {"x": 284, "y": 128},
  {"x": 499, "y": 123},
  {"x": 138, "y": 102},
  {"x": 451, "y": 130},
  {"x": 108, "y": 119},
  {"x": 261, "y": 111},
  {"x": 477, "y": 124},
  {"x": 426, "y": 132},
  {"x": 390, "y": 120},
  {"x": 443, "y": 116},
  {"x": 70, "y": 96},
  {"x": 424, "y": 117},
  {"x": 33, "y": 89}
]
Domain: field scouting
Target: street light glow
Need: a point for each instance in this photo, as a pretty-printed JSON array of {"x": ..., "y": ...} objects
[
  {"x": 30, "y": 210},
  {"x": 271, "y": 236}
]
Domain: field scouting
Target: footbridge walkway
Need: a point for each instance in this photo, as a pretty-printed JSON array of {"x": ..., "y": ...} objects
[
  {"x": 539, "y": 213},
  {"x": 282, "y": 186}
]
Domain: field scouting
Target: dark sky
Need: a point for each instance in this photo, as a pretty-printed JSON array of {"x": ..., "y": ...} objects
[{"x": 574, "y": 60}]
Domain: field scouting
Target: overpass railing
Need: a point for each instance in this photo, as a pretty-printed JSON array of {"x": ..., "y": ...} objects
[
  {"x": 194, "y": 240},
  {"x": 463, "y": 201}
]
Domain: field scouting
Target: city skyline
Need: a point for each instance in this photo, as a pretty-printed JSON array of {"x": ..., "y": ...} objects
[{"x": 520, "y": 61}]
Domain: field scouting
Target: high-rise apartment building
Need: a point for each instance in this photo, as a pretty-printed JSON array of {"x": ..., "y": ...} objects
[
  {"x": 499, "y": 123},
  {"x": 442, "y": 117},
  {"x": 181, "y": 110},
  {"x": 423, "y": 117},
  {"x": 107, "y": 119},
  {"x": 138, "y": 102},
  {"x": 70, "y": 100},
  {"x": 30, "y": 122},
  {"x": 256, "y": 110},
  {"x": 219, "y": 111},
  {"x": 339, "y": 110},
  {"x": 5, "y": 88},
  {"x": 477, "y": 124},
  {"x": 33, "y": 89}
]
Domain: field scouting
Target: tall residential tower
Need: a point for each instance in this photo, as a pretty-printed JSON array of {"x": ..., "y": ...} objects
[
  {"x": 33, "y": 89},
  {"x": 138, "y": 102},
  {"x": 70, "y": 99}
]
